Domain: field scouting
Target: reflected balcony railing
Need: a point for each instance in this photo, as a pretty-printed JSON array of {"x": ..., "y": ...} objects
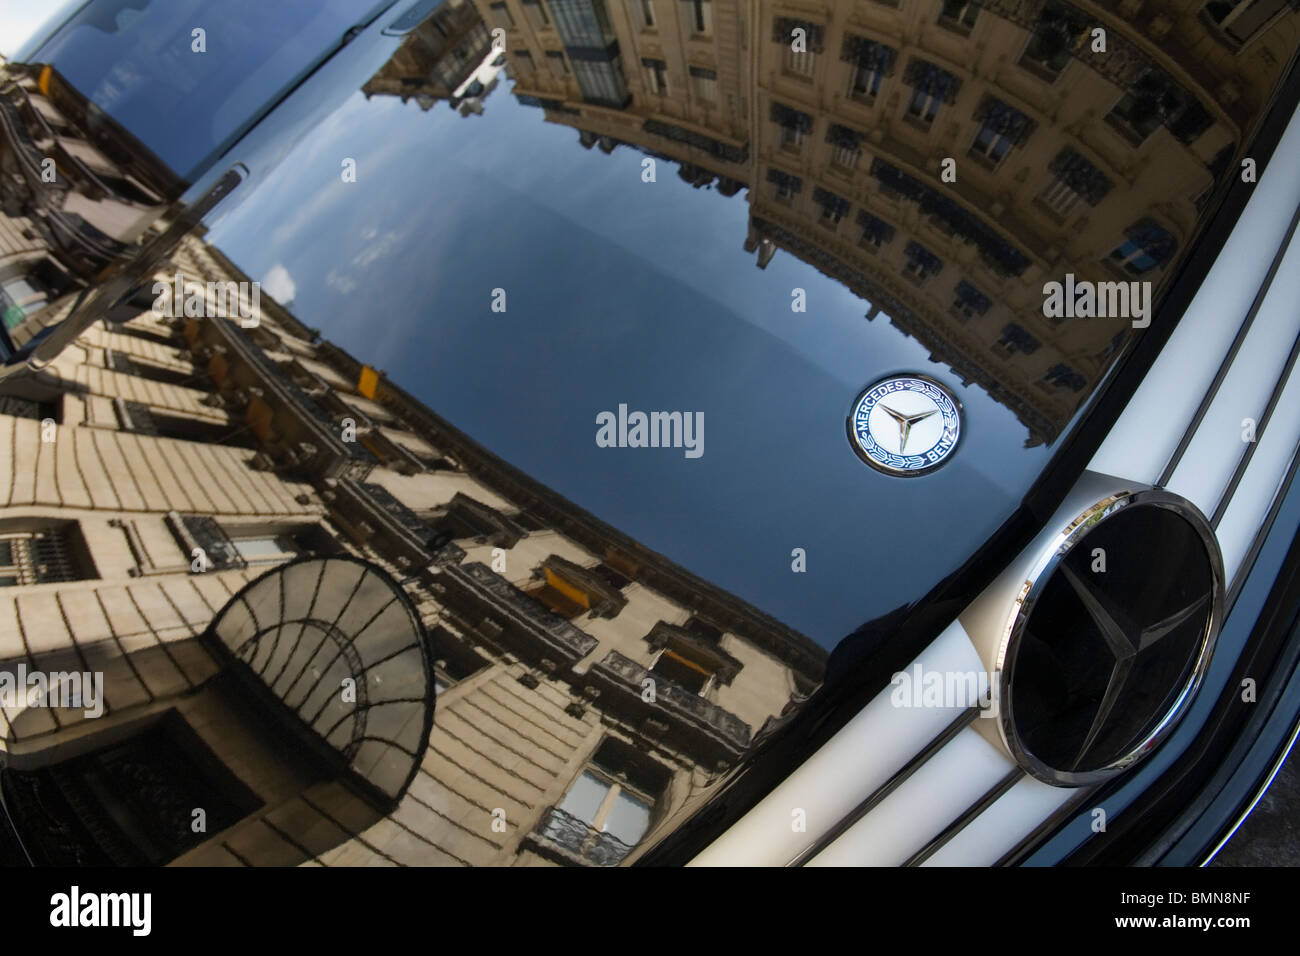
[
  {"x": 576, "y": 841},
  {"x": 690, "y": 722},
  {"x": 526, "y": 625}
]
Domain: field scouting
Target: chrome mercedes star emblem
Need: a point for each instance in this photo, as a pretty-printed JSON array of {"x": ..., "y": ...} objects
[
  {"x": 905, "y": 425},
  {"x": 1125, "y": 640}
]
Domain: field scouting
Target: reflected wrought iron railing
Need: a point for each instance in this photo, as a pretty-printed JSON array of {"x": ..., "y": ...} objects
[
  {"x": 578, "y": 839},
  {"x": 722, "y": 722},
  {"x": 525, "y": 610}
]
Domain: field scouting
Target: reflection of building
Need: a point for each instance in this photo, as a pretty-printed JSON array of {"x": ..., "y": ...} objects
[
  {"x": 72, "y": 207},
  {"x": 435, "y": 58},
  {"x": 1067, "y": 159},
  {"x": 669, "y": 78},
  {"x": 590, "y": 690}
]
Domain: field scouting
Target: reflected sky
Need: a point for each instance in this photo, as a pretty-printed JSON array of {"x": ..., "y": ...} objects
[{"x": 621, "y": 291}]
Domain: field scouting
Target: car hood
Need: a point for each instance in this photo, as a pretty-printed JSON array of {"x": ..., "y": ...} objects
[
  {"x": 529, "y": 268},
  {"x": 555, "y": 252}
]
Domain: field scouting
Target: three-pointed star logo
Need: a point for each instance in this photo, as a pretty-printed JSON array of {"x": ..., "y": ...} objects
[
  {"x": 905, "y": 423},
  {"x": 1126, "y": 641}
]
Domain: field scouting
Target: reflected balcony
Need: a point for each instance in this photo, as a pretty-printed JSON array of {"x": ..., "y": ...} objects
[
  {"x": 499, "y": 613},
  {"x": 566, "y": 839},
  {"x": 677, "y": 717}
]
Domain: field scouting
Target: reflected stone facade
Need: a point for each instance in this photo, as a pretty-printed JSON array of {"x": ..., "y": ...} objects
[
  {"x": 941, "y": 165},
  {"x": 589, "y": 691},
  {"x": 436, "y": 57}
]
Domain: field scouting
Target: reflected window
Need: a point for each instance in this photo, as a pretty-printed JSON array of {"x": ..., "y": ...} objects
[
  {"x": 601, "y": 82},
  {"x": 45, "y": 555},
  {"x": 924, "y": 106},
  {"x": 1061, "y": 377},
  {"x": 703, "y": 629},
  {"x": 677, "y": 667},
  {"x": 1237, "y": 22},
  {"x": 183, "y": 375},
  {"x": 611, "y": 576},
  {"x": 558, "y": 598},
  {"x": 1056, "y": 33},
  {"x": 960, "y": 15},
  {"x": 16, "y": 407},
  {"x": 525, "y": 61},
  {"x": 699, "y": 16},
  {"x": 19, "y": 298},
  {"x": 969, "y": 301},
  {"x": 704, "y": 84},
  {"x": 583, "y": 24},
  {"x": 467, "y": 518},
  {"x": 28, "y": 287},
  {"x": 656, "y": 75},
  {"x": 263, "y": 548},
  {"x": 875, "y": 232},
  {"x": 833, "y": 207},
  {"x": 931, "y": 88},
  {"x": 1015, "y": 340},
  {"x": 800, "y": 62},
  {"x": 991, "y": 144},
  {"x": 1074, "y": 180},
  {"x": 645, "y": 10},
  {"x": 128, "y": 803},
  {"x": 846, "y": 145},
  {"x": 1146, "y": 246},
  {"x": 784, "y": 185},
  {"x": 869, "y": 63},
  {"x": 164, "y": 423},
  {"x": 1001, "y": 128},
  {"x": 921, "y": 262},
  {"x": 609, "y": 807},
  {"x": 793, "y": 125},
  {"x": 1156, "y": 100}
]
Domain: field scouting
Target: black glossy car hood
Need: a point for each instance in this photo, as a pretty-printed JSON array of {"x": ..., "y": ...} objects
[
  {"x": 520, "y": 275},
  {"x": 624, "y": 293},
  {"x": 532, "y": 257}
]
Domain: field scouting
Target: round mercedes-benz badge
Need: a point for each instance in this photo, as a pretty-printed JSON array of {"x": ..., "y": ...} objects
[{"x": 905, "y": 425}]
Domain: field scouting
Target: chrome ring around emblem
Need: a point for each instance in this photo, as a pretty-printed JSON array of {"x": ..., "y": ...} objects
[
  {"x": 1127, "y": 647},
  {"x": 905, "y": 425}
]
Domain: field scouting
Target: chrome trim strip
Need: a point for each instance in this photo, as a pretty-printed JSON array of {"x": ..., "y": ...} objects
[
  {"x": 1257, "y": 543},
  {"x": 951, "y": 830},
  {"x": 964, "y": 720},
  {"x": 1225, "y": 498},
  {"x": 1067, "y": 811},
  {"x": 1277, "y": 767},
  {"x": 1192, "y": 426}
]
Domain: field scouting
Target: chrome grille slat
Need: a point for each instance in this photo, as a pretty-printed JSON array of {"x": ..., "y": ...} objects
[
  {"x": 991, "y": 796},
  {"x": 1067, "y": 811},
  {"x": 965, "y": 719},
  {"x": 1208, "y": 399},
  {"x": 1257, "y": 542},
  {"x": 1226, "y": 497}
]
